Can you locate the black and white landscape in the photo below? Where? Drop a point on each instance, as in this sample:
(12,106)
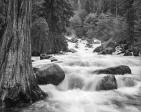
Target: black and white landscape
(70,55)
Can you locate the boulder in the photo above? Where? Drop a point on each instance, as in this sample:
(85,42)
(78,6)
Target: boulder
(136,51)
(44,56)
(129,82)
(107,83)
(75,81)
(50,74)
(108,50)
(98,49)
(72,50)
(90,41)
(110,43)
(96,42)
(89,45)
(109,46)
(117,70)
(127,53)
(74,40)
(53,59)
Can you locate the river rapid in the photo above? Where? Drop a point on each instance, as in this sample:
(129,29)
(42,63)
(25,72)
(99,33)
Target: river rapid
(77,93)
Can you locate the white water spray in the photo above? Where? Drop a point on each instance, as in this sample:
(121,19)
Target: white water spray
(78,92)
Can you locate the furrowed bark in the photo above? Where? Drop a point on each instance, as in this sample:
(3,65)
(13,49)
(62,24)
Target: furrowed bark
(17,81)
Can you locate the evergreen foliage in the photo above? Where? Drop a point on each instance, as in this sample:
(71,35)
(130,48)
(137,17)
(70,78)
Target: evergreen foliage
(119,19)
(56,15)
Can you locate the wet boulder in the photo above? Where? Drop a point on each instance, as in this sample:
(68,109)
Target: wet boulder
(107,83)
(89,45)
(50,74)
(98,49)
(127,53)
(72,50)
(136,52)
(129,82)
(75,81)
(117,70)
(74,40)
(44,56)
(107,46)
(108,50)
(110,43)
(53,59)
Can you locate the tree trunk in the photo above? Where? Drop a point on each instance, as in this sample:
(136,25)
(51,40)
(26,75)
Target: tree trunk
(17,81)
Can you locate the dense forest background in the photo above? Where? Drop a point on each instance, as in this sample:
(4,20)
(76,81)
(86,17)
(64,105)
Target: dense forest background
(105,19)
(97,19)
(89,19)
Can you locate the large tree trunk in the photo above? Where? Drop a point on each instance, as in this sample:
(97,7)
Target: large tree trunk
(17,81)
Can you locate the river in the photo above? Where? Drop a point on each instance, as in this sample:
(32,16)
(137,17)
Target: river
(77,93)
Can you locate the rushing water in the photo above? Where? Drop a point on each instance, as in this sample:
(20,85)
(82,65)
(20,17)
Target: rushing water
(77,93)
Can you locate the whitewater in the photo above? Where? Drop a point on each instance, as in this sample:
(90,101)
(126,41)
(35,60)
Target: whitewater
(78,93)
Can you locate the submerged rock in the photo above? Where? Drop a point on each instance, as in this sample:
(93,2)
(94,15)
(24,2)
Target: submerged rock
(129,82)
(44,56)
(53,59)
(72,50)
(50,74)
(75,82)
(117,70)
(107,83)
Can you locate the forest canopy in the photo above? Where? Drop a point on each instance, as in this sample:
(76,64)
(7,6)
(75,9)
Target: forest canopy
(104,19)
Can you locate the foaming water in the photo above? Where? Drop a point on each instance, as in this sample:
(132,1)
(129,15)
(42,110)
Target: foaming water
(79,90)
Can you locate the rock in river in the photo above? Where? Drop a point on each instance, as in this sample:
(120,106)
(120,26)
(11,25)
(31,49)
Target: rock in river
(117,70)
(107,83)
(50,74)
(44,56)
